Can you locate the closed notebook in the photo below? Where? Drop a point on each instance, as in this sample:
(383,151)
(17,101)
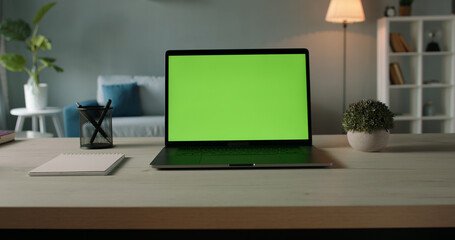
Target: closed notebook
(6,136)
(75,164)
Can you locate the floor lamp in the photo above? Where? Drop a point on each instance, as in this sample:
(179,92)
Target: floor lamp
(345,11)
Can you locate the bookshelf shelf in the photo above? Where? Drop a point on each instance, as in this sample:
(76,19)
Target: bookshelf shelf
(442,53)
(403,54)
(411,54)
(406,118)
(426,78)
(437,117)
(404,86)
(436,85)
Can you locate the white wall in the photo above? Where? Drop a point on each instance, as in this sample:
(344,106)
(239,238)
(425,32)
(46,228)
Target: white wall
(92,37)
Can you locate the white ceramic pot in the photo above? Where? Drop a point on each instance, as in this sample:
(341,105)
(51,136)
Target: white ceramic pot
(35,96)
(368,142)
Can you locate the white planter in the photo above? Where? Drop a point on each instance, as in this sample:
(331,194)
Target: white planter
(35,96)
(368,142)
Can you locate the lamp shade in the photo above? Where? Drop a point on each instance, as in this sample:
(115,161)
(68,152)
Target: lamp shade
(345,11)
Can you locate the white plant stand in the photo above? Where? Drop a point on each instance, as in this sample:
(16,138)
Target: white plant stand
(23,113)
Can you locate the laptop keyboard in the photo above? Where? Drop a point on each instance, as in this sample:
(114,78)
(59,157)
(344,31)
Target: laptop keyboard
(237,150)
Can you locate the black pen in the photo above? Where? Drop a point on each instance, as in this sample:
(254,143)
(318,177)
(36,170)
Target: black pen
(100,121)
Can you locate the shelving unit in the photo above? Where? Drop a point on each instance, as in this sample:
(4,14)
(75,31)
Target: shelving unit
(428,76)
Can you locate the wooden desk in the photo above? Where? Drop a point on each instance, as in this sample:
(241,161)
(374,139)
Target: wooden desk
(411,184)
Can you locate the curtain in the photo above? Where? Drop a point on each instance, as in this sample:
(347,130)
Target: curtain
(3,94)
(3,84)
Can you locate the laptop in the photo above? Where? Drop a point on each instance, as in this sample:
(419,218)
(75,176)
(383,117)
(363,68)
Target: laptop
(238,108)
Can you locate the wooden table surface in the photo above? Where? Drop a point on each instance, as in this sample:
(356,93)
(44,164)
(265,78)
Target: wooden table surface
(409,184)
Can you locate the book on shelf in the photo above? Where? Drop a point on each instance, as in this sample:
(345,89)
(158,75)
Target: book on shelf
(396,76)
(397,68)
(6,136)
(405,44)
(398,43)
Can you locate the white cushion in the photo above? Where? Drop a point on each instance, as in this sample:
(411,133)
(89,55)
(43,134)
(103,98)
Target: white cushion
(151,91)
(140,126)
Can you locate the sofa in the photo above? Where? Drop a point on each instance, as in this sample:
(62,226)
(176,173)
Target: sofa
(137,101)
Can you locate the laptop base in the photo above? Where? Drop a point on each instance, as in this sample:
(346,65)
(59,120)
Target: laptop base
(245,158)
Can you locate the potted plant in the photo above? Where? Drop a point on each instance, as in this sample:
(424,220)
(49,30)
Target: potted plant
(368,123)
(19,30)
(405,7)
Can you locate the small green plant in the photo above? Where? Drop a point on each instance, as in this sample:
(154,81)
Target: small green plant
(19,30)
(367,115)
(406,2)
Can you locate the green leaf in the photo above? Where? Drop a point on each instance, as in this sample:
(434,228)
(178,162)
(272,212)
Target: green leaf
(13,62)
(46,60)
(57,68)
(15,30)
(42,11)
(41,42)
(406,2)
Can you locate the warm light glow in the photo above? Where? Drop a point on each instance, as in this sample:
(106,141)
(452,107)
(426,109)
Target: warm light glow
(345,11)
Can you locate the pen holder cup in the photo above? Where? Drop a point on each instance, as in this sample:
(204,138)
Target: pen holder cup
(95,127)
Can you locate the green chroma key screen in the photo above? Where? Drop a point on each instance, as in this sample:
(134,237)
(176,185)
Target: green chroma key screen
(237,97)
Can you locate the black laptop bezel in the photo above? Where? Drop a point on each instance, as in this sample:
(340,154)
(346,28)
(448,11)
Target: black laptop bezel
(303,142)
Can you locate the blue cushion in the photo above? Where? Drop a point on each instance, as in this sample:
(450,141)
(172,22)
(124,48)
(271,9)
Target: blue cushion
(71,117)
(125,99)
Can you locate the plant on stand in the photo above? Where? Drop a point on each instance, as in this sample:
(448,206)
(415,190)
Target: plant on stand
(368,123)
(405,7)
(19,30)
